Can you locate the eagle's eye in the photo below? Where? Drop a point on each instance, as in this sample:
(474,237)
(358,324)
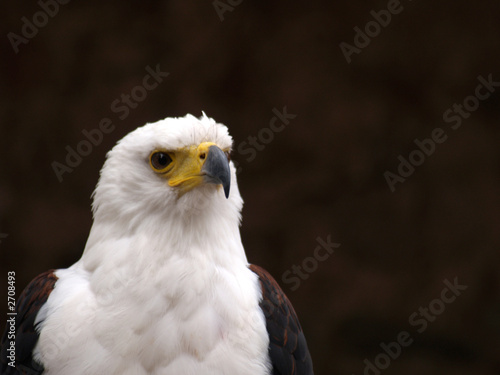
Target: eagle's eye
(160,161)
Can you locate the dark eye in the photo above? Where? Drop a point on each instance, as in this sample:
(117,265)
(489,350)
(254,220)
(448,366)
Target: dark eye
(160,160)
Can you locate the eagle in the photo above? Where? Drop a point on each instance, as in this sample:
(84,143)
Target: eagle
(163,285)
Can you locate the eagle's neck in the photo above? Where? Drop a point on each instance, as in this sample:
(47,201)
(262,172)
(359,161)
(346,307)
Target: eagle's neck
(210,232)
(182,287)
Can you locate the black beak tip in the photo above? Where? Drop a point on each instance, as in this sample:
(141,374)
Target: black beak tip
(217,169)
(226,190)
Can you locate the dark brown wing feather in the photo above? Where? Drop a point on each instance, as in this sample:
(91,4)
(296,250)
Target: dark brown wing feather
(287,345)
(28,305)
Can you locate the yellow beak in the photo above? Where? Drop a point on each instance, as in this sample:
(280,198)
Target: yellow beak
(195,166)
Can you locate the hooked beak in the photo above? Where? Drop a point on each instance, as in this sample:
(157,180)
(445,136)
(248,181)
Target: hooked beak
(198,165)
(216,169)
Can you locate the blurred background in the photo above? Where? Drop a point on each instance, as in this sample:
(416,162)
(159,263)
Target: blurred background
(324,174)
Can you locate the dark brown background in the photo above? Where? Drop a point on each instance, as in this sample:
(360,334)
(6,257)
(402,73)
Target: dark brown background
(322,175)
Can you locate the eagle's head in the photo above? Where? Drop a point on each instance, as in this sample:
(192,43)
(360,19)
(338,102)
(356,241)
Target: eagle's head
(173,170)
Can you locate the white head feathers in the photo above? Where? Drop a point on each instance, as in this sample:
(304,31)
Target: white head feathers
(128,186)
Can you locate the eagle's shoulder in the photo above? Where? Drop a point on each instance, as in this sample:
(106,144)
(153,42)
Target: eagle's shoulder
(288,350)
(28,305)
